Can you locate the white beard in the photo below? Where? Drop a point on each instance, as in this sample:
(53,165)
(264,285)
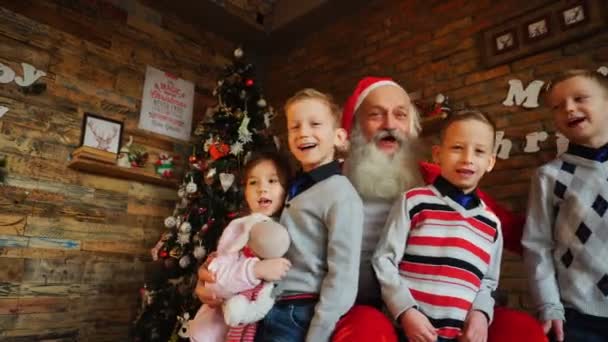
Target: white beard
(377,175)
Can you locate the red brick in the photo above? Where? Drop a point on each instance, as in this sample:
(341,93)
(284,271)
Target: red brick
(415,41)
(487,75)
(536,60)
(453,26)
(448,6)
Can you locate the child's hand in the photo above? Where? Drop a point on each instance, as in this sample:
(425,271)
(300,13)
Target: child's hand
(475,328)
(557,326)
(417,327)
(205,294)
(271,269)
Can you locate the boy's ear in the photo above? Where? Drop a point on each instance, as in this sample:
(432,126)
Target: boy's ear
(436,150)
(492,163)
(341,137)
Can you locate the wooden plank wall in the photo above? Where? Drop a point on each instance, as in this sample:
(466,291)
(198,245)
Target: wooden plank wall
(73,245)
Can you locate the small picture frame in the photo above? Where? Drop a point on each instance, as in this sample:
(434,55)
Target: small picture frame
(574,15)
(505,41)
(537,28)
(101,133)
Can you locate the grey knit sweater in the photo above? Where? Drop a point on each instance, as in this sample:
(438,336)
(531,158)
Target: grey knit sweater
(566,234)
(325,225)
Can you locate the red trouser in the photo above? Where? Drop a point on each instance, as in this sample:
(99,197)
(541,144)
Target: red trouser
(365,323)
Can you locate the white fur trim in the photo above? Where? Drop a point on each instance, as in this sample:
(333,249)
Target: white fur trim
(239,310)
(369,89)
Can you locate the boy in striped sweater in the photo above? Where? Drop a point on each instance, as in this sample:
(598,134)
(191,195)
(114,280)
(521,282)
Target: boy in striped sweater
(438,260)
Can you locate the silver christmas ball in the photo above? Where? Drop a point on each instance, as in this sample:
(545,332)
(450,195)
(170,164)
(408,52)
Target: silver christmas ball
(184,261)
(261,103)
(238,53)
(199,252)
(186,227)
(170,222)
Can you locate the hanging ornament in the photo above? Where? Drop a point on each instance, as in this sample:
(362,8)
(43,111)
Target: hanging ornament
(220,83)
(192,159)
(242,94)
(184,261)
(204,227)
(210,176)
(202,210)
(154,251)
(207,144)
(218,150)
(261,103)
(176,252)
(163,254)
(185,228)
(183,238)
(170,222)
(181,192)
(268,116)
(226,180)
(199,252)
(236,148)
(244,128)
(249,82)
(238,53)
(247,157)
(191,187)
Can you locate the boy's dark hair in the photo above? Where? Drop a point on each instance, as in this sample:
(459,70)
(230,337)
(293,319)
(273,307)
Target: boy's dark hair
(593,75)
(467,114)
(281,163)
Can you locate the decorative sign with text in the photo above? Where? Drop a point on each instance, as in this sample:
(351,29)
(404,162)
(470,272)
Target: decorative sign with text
(167,104)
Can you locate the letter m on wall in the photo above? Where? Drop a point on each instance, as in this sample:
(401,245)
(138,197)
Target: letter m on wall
(518,96)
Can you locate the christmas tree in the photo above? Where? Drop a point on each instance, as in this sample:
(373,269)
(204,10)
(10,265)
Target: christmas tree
(209,197)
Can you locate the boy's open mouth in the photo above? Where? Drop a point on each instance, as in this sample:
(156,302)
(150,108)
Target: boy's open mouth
(573,122)
(307,146)
(465,172)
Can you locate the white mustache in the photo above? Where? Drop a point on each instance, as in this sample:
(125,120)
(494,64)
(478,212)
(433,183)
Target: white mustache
(390,133)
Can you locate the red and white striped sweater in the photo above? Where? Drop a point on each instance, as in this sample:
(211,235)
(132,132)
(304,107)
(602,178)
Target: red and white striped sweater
(440,256)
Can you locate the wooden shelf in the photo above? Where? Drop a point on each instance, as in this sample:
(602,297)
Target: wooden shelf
(432,124)
(116,171)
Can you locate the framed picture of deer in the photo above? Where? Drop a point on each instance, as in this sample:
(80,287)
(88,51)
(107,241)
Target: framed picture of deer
(101,133)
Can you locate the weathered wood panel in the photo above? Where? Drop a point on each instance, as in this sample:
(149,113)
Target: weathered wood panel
(73,245)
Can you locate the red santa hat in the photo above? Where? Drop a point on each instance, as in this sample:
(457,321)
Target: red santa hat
(365,86)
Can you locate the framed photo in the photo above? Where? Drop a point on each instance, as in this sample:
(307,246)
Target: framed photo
(574,15)
(505,41)
(537,28)
(101,133)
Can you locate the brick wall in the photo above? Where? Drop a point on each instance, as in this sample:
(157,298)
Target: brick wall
(433,46)
(74,245)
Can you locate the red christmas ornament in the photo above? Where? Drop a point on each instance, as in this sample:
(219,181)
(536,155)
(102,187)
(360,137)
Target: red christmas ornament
(192,159)
(232,215)
(164,254)
(218,150)
(249,82)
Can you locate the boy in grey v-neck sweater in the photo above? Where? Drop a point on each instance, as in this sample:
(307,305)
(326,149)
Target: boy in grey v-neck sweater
(324,217)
